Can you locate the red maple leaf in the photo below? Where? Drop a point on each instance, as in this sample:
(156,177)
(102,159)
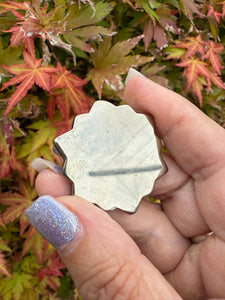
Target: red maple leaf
(32,21)
(217,15)
(193,46)
(212,51)
(37,243)
(13,6)
(18,203)
(64,126)
(51,270)
(27,74)
(68,94)
(198,74)
(8,159)
(3,267)
(194,68)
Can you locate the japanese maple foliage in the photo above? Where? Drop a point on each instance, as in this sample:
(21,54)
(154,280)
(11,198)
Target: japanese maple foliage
(201,64)
(26,75)
(56,58)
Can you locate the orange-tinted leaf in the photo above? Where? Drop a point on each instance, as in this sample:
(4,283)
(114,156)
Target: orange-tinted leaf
(12,5)
(217,15)
(16,164)
(2,223)
(3,268)
(36,243)
(16,37)
(217,80)
(64,125)
(27,191)
(51,107)
(8,159)
(4,166)
(53,267)
(195,67)
(29,45)
(68,94)
(17,203)
(13,212)
(212,54)
(24,223)
(27,74)
(21,91)
(10,198)
(193,45)
(197,88)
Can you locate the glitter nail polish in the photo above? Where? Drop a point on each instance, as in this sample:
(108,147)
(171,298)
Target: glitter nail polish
(53,221)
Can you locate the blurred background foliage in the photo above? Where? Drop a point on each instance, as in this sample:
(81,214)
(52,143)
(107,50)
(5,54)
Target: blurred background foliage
(56,58)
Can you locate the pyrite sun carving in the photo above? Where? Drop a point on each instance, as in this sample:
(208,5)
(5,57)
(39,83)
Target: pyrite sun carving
(111,156)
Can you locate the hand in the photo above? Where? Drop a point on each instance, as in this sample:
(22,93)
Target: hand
(161,250)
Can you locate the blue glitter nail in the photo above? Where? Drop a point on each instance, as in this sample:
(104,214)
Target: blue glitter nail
(53,221)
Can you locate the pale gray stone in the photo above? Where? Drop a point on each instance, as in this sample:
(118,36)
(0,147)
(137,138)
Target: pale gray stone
(111,156)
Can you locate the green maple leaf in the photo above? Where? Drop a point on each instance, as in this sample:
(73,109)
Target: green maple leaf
(13,288)
(21,282)
(9,56)
(38,143)
(112,61)
(175,53)
(81,24)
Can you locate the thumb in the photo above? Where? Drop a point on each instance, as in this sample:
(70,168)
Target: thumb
(102,259)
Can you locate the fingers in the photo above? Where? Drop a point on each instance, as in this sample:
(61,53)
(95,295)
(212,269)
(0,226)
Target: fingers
(186,131)
(155,235)
(149,227)
(211,201)
(195,141)
(182,209)
(212,264)
(201,273)
(186,278)
(52,183)
(101,258)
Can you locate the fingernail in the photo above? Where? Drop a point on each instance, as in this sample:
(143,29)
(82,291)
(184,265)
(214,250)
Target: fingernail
(40,164)
(131,74)
(58,225)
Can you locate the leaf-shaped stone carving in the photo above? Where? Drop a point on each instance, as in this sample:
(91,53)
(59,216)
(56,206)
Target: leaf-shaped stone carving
(111,156)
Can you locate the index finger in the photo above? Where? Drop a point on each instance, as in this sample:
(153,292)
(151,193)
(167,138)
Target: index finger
(195,141)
